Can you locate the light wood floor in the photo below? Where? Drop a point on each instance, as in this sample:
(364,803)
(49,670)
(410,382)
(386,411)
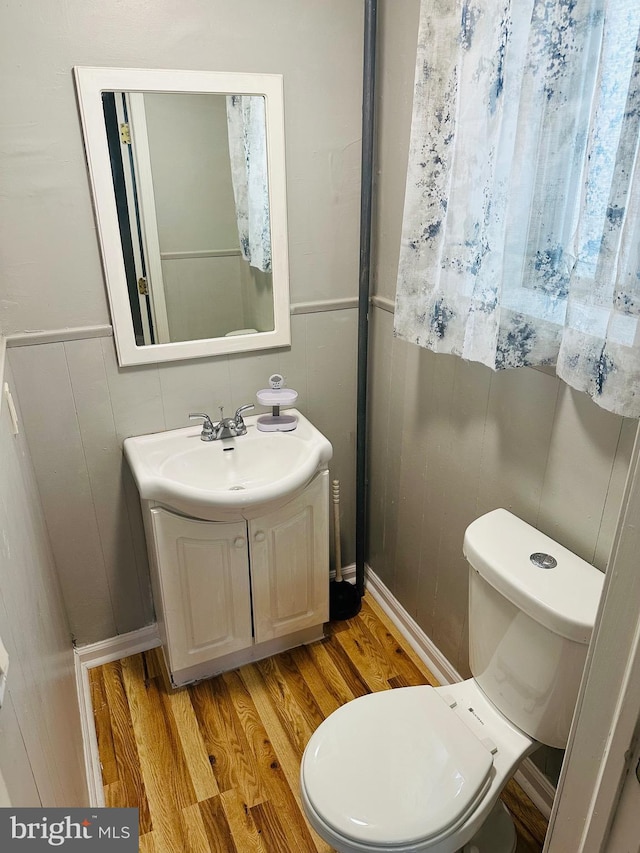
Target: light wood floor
(214,767)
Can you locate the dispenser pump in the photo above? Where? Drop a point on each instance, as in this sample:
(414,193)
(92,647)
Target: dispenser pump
(276,395)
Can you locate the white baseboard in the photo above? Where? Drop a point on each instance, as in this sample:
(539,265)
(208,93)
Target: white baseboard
(532,780)
(87,657)
(348,572)
(92,766)
(535,784)
(121,646)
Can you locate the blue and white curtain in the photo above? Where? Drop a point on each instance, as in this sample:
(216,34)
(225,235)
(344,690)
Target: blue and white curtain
(247,128)
(521,231)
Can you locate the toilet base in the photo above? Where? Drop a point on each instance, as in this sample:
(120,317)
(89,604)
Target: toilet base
(496,835)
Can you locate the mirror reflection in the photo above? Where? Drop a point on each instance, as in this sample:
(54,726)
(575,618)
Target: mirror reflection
(190,178)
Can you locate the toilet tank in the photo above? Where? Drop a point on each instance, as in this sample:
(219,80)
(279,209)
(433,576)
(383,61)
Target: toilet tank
(532,607)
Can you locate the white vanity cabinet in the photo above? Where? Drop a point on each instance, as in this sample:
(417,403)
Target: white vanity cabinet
(230,592)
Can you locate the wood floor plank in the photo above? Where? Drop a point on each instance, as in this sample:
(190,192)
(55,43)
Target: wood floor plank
(195,752)
(399,681)
(355,682)
(125,743)
(115,795)
(270,827)
(525,813)
(195,831)
(234,766)
(404,664)
(278,736)
(335,681)
(160,761)
(277,785)
(285,750)
(217,827)
(152,704)
(366,656)
(369,604)
(104,731)
(321,690)
(147,844)
(249,718)
(153,662)
(291,698)
(243,828)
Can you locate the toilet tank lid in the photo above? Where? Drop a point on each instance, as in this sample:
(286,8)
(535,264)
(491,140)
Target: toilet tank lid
(564,599)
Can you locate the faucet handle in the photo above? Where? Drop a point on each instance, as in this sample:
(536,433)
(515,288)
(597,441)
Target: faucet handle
(207,426)
(205,417)
(239,424)
(238,415)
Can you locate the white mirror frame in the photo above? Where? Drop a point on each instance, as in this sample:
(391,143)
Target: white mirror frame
(90,84)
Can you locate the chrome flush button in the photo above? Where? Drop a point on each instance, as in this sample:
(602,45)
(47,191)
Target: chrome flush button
(543,561)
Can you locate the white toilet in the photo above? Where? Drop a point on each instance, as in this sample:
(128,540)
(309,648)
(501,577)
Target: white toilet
(421,768)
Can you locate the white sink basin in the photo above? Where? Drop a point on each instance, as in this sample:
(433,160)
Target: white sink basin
(231,478)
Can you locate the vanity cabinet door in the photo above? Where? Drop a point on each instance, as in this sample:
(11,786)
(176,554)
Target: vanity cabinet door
(204,581)
(290,563)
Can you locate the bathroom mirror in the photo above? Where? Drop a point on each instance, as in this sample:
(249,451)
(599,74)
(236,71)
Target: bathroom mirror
(188,179)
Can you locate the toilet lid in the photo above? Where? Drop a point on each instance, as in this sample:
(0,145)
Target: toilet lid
(394,767)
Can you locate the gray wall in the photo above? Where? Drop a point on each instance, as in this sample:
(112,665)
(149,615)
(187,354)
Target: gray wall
(78,404)
(40,744)
(450,440)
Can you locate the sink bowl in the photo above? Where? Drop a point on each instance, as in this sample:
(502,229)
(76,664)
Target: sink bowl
(231,478)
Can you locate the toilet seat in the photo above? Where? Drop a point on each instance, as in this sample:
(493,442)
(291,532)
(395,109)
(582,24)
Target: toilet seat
(363,771)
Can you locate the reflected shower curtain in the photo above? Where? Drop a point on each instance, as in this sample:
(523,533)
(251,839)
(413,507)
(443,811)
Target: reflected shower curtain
(246,122)
(521,230)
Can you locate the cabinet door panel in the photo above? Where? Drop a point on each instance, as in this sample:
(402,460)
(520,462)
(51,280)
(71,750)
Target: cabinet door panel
(204,579)
(290,563)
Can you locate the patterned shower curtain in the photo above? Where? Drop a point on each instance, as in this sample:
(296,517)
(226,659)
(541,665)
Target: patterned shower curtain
(521,230)
(247,130)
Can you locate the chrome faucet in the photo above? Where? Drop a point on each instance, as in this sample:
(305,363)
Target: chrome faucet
(225,427)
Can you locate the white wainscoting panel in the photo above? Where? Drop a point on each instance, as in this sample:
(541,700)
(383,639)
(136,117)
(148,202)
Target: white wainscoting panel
(40,742)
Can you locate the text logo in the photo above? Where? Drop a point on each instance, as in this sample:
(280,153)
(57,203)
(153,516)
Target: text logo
(30,830)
